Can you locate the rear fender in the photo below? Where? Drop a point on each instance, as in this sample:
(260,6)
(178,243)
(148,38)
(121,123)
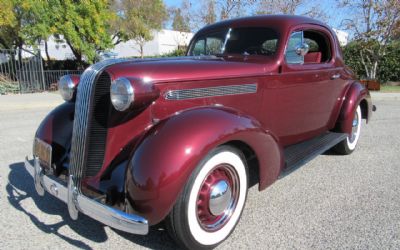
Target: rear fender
(356,95)
(163,161)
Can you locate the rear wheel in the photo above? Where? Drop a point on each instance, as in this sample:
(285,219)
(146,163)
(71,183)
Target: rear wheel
(348,145)
(212,201)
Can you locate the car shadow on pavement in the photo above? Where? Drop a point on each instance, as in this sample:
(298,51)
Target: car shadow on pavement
(20,187)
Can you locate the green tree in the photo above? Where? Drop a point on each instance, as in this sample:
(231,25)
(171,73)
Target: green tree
(83,24)
(210,17)
(14,17)
(352,58)
(373,24)
(179,23)
(389,67)
(291,7)
(137,19)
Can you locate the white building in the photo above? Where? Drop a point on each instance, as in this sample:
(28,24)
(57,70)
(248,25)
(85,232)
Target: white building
(164,41)
(343,37)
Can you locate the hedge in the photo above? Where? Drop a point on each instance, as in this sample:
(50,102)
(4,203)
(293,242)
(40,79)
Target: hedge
(388,68)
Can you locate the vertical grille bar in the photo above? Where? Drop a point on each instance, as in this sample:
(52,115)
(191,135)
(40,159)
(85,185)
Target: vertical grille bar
(82,108)
(98,125)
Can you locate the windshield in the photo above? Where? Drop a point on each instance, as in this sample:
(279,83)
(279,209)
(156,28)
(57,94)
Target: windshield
(244,41)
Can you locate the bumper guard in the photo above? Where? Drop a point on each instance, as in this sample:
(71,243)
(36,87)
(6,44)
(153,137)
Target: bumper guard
(107,215)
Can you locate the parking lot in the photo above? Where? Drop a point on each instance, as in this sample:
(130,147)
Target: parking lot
(332,202)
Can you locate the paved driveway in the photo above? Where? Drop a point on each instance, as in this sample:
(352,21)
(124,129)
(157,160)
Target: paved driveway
(332,202)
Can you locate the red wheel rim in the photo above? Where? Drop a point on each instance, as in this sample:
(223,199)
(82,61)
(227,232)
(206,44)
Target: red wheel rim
(210,216)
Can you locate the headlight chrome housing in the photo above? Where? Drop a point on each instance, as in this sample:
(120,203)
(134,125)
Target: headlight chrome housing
(122,94)
(67,87)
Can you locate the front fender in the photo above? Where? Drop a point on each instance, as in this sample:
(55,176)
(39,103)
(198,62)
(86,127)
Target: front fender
(56,129)
(165,158)
(357,94)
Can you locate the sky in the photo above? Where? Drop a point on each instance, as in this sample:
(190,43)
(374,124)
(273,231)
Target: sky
(335,15)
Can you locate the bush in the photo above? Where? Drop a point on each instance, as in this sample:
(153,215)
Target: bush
(175,53)
(7,85)
(388,68)
(68,64)
(390,64)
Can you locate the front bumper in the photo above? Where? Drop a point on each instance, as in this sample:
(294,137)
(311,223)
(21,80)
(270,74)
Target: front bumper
(109,216)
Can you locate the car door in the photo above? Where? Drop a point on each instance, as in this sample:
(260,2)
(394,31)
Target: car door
(307,90)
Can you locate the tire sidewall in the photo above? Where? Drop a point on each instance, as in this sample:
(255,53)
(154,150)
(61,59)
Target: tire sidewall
(195,237)
(351,146)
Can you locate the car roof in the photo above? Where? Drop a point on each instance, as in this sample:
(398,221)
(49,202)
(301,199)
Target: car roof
(279,22)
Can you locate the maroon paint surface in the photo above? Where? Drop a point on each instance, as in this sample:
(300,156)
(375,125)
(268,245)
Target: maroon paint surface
(292,103)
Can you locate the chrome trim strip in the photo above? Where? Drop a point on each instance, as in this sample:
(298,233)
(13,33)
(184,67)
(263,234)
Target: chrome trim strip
(185,94)
(112,217)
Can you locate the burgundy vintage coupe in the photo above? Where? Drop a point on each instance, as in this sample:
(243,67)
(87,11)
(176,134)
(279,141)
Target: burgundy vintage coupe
(180,140)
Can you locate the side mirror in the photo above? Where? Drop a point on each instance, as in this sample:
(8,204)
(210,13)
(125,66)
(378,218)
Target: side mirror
(302,49)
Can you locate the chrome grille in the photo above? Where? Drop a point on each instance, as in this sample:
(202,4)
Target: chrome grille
(211,91)
(82,114)
(98,125)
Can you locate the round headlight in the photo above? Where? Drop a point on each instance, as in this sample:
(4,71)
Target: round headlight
(122,94)
(66,87)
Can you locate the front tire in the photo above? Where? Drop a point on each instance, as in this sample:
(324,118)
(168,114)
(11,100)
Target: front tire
(348,145)
(212,201)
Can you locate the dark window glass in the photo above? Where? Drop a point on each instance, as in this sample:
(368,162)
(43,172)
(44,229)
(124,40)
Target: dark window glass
(244,41)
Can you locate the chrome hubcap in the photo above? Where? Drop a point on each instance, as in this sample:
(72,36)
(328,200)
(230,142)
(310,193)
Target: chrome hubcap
(220,197)
(217,198)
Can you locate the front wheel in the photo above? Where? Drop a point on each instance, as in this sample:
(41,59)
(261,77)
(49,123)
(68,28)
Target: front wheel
(348,145)
(212,201)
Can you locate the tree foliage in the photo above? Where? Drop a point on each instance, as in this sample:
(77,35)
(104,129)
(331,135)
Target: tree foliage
(137,19)
(291,7)
(389,67)
(83,24)
(373,24)
(209,16)
(14,16)
(179,22)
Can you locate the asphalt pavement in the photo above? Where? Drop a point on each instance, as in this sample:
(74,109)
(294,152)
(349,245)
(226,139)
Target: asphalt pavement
(346,202)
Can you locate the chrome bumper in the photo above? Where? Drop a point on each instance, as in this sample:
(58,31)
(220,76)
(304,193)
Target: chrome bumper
(109,216)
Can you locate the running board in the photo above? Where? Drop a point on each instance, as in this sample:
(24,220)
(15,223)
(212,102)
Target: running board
(299,154)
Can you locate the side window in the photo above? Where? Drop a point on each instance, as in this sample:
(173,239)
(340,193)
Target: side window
(320,48)
(214,45)
(208,46)
(270,46)
(199,48)
(294,41)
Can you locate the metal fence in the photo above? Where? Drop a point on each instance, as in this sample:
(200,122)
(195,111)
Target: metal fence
(22,73)
(25,73)
(52,76)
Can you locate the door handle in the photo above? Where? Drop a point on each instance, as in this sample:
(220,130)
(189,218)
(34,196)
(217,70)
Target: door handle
(335,76)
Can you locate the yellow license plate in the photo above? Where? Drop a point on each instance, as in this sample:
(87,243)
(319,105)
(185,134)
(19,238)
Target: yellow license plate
(43,152)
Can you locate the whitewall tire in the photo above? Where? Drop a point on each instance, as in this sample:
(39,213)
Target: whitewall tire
(348,145)
(212,201)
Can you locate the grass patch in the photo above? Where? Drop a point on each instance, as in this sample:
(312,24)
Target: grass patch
(390,89)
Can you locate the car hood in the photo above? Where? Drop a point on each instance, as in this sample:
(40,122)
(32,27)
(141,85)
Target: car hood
(192,68)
